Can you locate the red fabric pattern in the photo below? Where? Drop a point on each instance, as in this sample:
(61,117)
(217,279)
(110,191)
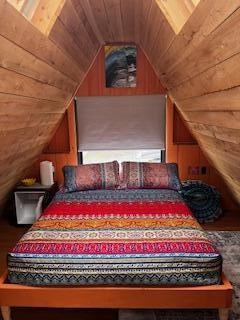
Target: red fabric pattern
(150,175)
(100,208)
(116,248)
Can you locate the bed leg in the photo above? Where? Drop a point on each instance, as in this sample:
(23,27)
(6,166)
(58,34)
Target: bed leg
(6,313)
(223,314)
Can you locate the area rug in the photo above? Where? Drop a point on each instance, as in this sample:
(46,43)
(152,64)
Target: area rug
(228,243)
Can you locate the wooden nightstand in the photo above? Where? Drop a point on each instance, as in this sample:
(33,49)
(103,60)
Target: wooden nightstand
(31,201)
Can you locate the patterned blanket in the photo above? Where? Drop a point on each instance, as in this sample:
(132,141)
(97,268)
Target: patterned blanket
(115,237)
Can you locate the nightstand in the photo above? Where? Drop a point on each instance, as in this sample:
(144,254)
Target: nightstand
(31,201)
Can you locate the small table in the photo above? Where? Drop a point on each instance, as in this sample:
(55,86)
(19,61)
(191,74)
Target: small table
(30,201)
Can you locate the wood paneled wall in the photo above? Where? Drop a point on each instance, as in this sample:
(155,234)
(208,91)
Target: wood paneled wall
(191,156)
(148,83)
(59,159)
(38,77)
(200,67)
(94,85)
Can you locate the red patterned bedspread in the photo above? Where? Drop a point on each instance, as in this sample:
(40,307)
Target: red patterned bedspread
(115,237)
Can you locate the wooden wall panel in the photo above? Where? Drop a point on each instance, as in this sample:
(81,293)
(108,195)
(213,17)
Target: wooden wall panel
(38,79)
(60,143)
(94,83)
(59,159)
(192,156)
(148,83)
(200,69)
(14,27)
(181,134)
(204,20)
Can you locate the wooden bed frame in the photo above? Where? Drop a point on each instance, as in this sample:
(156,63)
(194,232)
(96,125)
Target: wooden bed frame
(201,297)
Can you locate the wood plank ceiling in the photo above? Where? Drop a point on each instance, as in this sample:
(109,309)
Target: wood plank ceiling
(199,65)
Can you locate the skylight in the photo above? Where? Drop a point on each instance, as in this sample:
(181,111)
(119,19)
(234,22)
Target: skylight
(177,12)
(41,13)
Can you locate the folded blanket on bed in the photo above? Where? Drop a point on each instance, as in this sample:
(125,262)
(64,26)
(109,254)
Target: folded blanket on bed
(115,237)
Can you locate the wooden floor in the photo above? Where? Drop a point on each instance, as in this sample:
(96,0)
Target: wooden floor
(10,234)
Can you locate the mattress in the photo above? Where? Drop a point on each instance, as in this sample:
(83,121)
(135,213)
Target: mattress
(115,237)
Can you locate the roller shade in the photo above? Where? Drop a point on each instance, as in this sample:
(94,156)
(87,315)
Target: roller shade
(121,122)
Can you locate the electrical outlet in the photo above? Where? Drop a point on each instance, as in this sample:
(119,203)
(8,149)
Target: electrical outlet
(193,171)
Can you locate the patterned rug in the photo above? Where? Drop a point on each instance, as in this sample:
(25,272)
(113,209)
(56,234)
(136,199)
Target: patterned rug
(228,243)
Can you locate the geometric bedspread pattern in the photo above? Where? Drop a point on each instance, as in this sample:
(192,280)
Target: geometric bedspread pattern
(115,237)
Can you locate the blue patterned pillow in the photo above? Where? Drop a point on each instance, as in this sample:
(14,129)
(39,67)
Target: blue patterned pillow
(91,176)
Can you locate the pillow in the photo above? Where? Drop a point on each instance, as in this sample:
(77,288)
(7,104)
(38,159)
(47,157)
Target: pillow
(91,176)
(144,175)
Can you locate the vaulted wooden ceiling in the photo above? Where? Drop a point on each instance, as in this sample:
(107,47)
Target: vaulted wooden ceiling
(197,59)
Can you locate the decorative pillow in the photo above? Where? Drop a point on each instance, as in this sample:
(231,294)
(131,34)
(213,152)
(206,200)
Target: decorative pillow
(203,200)
(91,176)
(143,175)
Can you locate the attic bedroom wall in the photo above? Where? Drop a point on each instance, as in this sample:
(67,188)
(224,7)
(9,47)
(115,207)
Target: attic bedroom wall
(148,83)
(200,67)
(38,77)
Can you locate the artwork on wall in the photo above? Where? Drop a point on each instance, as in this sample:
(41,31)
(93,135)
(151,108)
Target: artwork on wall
(120,66)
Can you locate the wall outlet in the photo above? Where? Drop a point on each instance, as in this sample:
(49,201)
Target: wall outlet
(193,171)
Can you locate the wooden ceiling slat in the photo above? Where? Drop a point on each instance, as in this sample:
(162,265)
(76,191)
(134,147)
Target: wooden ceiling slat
(32,40)
(76,29)
(154,26)
(84,20)
(220,133)
(128,17)
(150,20)
(216,101)
(16,59)
(137,20)
(13,104)
(223,76)
(99,13)
(225,42)
(197,28)
(11,122)
(13,83)
(226,119)
(115,19)
(63,39)
(146,5)
(226,151)
(86,6)
(46,14)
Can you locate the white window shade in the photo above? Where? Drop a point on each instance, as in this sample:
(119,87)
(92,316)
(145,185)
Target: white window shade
(121,122)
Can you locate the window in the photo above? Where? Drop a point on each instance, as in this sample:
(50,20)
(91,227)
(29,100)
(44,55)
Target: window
(177,12)
(41,13)
(149,155)
(123,128)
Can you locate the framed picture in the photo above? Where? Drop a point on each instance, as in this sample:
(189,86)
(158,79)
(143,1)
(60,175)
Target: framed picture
(120,66)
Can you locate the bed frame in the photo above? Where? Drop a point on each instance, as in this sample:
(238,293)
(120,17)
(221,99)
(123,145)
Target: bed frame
(134,297)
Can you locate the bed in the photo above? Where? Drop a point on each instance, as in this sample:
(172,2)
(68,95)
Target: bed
(115,249)
(115,237)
